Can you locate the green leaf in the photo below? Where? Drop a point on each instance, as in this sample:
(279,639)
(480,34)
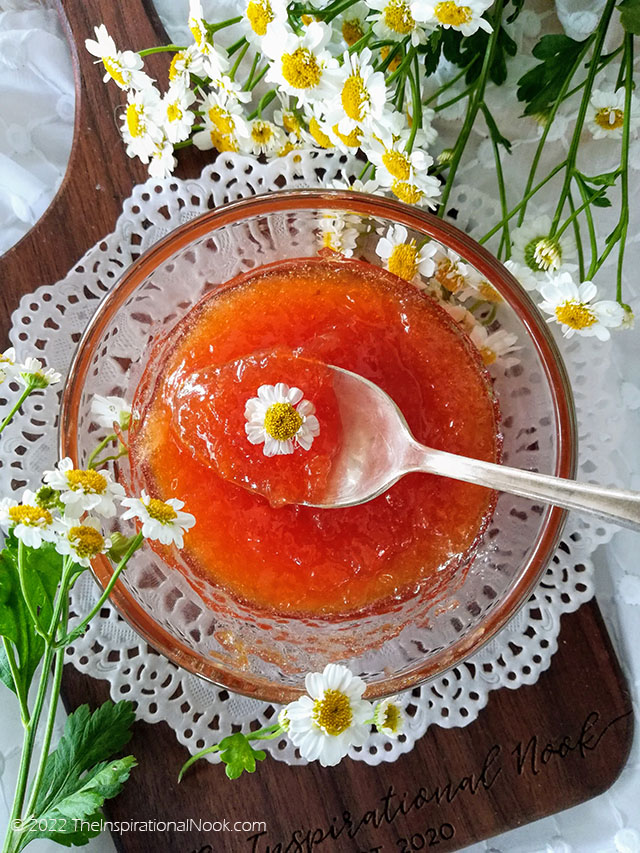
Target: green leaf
(432,51)
(471,51)
(607,179)
(630,16)
(497,137)
(518,6)
(5,672)
(540,86)
(238,754)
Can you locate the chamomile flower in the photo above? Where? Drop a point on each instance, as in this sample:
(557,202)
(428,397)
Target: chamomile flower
(229,90)
(8,365)
(141,124)
(258,15)
(573,307)
(110,410)
(184,63)
(451,273)
(388,717)
(362,92)
(392,162)
(338,234)
(265,137)
(465,319)
(465,16)
(534,248)
(224,124)
(162,161)
(332,718)
(177,117)
(287,118)
(496,346)
(81,540)
(215,63)
(124,67)
(84,491)
(403,257)
(357,186)
(280,418)
(319,133)
(396,19)
(283,720)
(526,276)
(350,26)
(30,522)
(162,521)
(33,374)
(605,115)
(300,64)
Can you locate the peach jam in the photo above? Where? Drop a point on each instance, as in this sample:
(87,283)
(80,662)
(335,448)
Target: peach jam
(285,323)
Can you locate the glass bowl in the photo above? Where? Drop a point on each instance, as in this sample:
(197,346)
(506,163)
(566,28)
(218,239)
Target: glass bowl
(264,655)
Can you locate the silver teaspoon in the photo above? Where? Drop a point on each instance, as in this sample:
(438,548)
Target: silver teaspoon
(378,448)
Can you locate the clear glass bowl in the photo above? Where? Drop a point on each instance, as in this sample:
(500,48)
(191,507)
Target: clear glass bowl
(266,656)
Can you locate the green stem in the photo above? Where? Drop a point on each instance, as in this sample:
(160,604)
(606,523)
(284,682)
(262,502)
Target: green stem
(439,107)
(254,65)
(185,144)
(239,59)
(578,236)
(149,51)
(593,242)
(362,41)
(236,45)
(578,211)
(407,60)
(390,57)
(601,33)
(259,77)
(265,100)
(624,160)
(213,28)
(416,104)
(15,674)
(98,449)
(368,165)
(447,85)
(506,237)
(78,629)
(333,12)
(267,733)
(21,400)
(472,108)
(122,452)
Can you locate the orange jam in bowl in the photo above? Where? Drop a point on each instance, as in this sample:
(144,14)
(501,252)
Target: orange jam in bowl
(284,323)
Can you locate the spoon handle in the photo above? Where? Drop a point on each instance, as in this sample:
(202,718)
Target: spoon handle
(618,505)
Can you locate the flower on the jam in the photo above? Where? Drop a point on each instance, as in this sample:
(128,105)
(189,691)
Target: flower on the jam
(281,418)
(451,272)
(403,257)
(124,67)
(535,249)
(572,306)
(84,491)
(388,717)
(33,375)
(30,522)
(161,520)
(338,234)
(605,115)
(110,410)
(81,540)
(332,718)
(495,347)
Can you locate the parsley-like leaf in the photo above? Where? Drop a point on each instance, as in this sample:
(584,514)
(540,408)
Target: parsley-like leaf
(630,16)
(541,85)
(238,754)
(470,51)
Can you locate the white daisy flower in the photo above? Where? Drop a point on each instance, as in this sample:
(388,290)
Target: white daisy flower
(229,90)
(215,62)
(162,161)
(533,247)
(30,522)
(81,540)
(84,491)
(141,124)
(465,319)
(397,19)
(403,257)
(351,26)
(495,346)
(526,276)
(451,273)
(479,289)
(572,306)
(124,67)
(184,63)
(605,115)
(338,234)
(177,117)
(392,162)
(281,418)
(162,521)
(301,65)
(466,17)
(110,410)
(388,717)
(259,15)
(362,92)
(225,127)
(265,137)
(283,720)
(332,718)
(32,373)
(8,365)
(357,186)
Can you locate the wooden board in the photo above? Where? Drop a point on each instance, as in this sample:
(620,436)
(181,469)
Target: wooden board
(532,752)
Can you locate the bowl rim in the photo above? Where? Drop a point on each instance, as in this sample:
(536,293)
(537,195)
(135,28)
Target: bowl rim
(552,364)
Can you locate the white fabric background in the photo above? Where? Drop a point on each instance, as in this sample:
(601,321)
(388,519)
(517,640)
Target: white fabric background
(36,116)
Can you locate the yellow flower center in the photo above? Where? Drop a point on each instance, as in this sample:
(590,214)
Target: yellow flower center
(355,97)
(174,113)
(282,421)
(398,17)
(397,164)
(260,15)
(449,276)
(450,13)
(488,355)
(385,50)
(31,516)
(174,70)
(134,125)
(307,19)
(392,718)
(318,134)
(609,118)
(488,292)
(196,31)
(543,253)
(160,511)
(261,132)
(576,315)
(351,139)
(290,123)
(352,31)
(409,193)
(287,148)
(86,541)
(333,712)
(223,141)
(221,119)
(113,67)
(301,69)
(90,482)
(403,260)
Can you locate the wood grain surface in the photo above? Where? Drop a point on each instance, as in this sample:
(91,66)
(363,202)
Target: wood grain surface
(531,752)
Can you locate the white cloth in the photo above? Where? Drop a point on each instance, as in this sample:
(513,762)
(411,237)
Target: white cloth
(36,117)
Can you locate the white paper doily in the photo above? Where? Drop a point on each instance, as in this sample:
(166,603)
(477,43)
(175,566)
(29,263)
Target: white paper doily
(49,323)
